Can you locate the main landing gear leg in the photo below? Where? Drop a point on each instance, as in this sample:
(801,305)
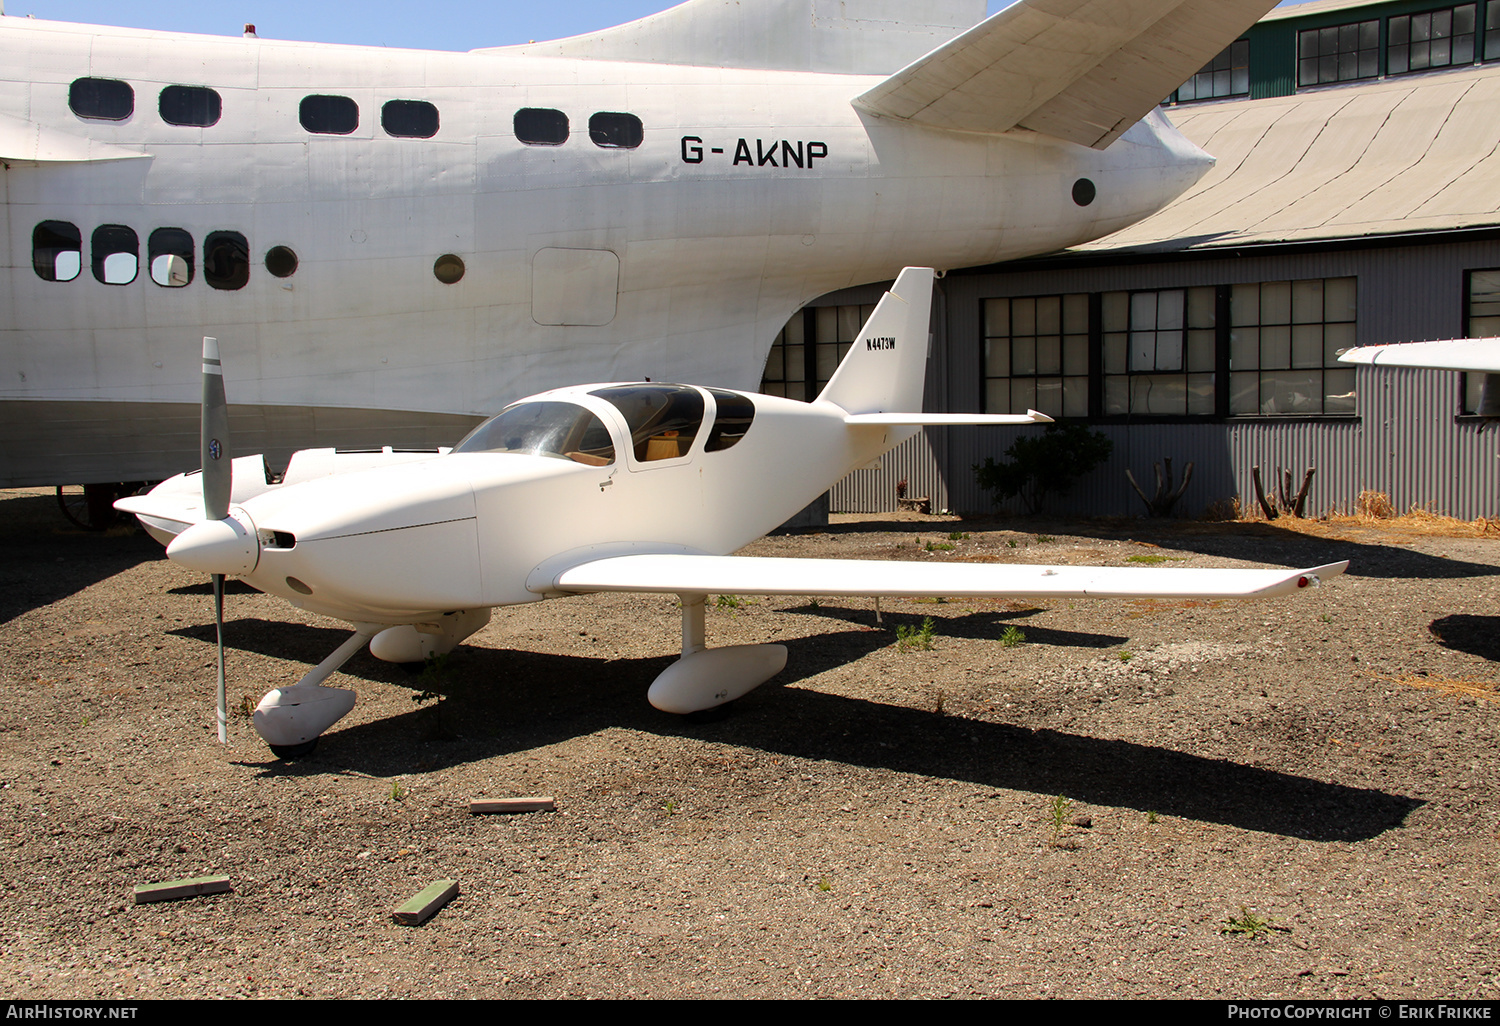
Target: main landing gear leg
(705,678)
(291,719)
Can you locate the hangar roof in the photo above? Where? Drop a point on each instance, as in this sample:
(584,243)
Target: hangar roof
(1401,155)
(1313,7)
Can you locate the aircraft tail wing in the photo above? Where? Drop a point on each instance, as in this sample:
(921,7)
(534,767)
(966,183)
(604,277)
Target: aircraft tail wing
(683,573)
(1080,70)
(945,419)
(1478,355)
(886,368)
(849,37)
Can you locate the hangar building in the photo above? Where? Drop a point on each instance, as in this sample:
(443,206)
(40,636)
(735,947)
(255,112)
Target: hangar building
(1354,202)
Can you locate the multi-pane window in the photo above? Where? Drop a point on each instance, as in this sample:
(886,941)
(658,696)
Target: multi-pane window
(1482,320)
(1492,32)
(786,366)
(1036,355)
(1159,352)
(1284,341)
(1432,39)
(808,350)
(1339,53)
(1228,74)
(834,330)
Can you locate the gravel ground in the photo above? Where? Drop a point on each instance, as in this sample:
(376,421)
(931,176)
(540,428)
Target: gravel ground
(1080,814)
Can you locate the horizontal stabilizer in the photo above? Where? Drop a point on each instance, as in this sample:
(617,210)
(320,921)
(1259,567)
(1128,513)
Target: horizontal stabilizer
(1480,355)
(843,37)
(1080,70)
(746,575)
(940,419)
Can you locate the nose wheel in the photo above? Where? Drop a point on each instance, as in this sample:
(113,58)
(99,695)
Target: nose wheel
(291,719)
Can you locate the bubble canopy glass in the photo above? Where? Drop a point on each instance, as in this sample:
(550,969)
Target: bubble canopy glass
(563,431)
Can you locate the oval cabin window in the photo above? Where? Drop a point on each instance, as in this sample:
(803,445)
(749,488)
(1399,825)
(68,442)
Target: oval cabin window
(102,99)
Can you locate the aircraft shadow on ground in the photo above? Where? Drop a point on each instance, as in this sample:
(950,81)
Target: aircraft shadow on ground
(232,586)
(43,559)
(1463,632)
(504,701)
(1247,541)
(981,626)
(1251,541)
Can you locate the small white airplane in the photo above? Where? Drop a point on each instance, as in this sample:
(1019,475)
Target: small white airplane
(639,486)
(402,241)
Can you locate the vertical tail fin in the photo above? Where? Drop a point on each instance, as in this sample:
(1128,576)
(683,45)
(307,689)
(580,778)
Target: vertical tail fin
(886,369)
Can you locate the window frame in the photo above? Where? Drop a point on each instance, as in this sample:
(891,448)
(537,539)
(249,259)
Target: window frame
(534,117)
(99,251)
(73,235)
(80,85)
(1318,36)
(601,133)
(308,107)
(1470,384)
(218,105)
(409,105)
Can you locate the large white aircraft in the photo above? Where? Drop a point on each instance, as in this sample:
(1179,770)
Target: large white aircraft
(637,486)
(399,242)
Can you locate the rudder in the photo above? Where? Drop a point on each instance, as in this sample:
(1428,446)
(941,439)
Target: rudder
(886,369)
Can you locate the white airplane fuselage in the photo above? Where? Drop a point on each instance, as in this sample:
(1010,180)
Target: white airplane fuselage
(463,531)
(749,194)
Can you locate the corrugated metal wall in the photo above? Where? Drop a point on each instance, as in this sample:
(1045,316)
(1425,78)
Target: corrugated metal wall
(1406,440)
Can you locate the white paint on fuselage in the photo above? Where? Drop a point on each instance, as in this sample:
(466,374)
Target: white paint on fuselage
(405,543)
(714,255)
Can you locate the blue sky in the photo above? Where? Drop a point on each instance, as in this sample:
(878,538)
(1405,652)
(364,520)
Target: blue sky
(424,24)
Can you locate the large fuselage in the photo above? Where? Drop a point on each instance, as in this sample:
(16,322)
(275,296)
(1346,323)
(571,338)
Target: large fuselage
(749,193)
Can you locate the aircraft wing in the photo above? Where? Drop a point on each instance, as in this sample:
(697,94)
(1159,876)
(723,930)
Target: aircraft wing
(1080,70)
(1481,355)
(758,575)
(27,142)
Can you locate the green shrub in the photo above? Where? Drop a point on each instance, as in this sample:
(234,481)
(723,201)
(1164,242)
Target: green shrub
(1043,465)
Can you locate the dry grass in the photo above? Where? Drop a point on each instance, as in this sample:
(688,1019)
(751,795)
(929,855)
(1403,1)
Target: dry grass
(1374,506)
(1374,509)
(1456,687)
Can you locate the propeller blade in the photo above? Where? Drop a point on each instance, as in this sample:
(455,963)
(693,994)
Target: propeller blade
(218,479)
(219,636)
(217,473)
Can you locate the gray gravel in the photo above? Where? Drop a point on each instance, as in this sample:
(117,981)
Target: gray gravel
(871,823)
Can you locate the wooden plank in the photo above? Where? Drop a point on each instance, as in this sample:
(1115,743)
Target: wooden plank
(481,806)
(171,890)
(422,906)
